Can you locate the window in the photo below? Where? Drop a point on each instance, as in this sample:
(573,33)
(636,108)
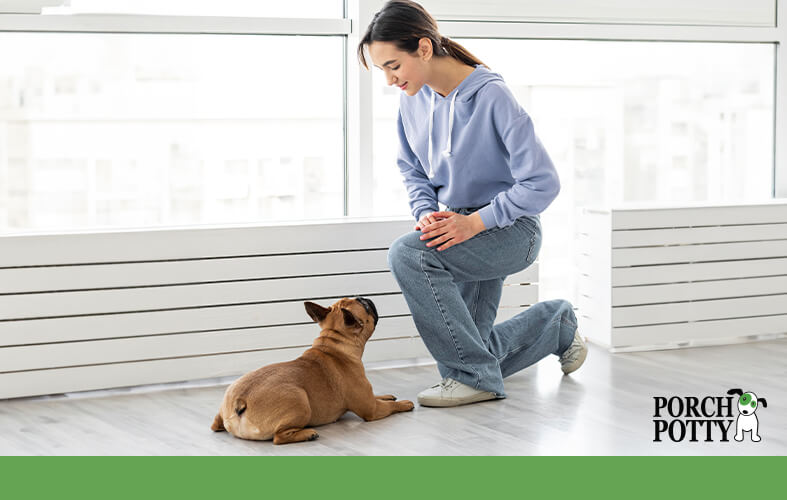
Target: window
(110,130)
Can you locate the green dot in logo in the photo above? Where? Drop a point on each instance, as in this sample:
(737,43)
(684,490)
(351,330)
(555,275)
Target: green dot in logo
(754,404)
(745,399)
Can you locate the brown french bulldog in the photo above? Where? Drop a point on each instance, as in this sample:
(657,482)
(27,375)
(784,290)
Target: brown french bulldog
(281,401)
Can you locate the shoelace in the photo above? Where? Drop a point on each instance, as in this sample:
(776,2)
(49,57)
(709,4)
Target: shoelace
(447,384)
(573,352)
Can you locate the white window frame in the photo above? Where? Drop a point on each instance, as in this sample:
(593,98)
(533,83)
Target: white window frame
(574,24)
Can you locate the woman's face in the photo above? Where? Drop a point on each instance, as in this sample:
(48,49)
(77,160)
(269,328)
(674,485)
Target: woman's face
(406,71)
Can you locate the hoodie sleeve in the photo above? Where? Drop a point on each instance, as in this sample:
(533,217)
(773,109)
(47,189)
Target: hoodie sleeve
(420,191)
(536,183)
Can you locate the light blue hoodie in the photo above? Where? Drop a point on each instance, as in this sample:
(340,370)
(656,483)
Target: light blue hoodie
(473,147)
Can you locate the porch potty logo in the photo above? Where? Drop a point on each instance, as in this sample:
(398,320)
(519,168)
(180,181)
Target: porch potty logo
(707,419)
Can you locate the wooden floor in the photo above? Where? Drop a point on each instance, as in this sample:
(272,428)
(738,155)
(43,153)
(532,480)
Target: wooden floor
(604,408)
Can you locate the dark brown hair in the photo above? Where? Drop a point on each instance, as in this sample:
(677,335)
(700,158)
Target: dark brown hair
(405,23)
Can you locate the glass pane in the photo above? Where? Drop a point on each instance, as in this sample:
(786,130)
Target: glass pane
(329,9)
(623,122)
(155,130)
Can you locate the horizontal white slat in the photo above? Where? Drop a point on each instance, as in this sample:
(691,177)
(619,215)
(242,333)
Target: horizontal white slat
(85,277)
(179,345)
(59,380)
(698,330)
(647,275)
(526,276)
(201,319)
(771,212)
(679,292)
(693,235)
(199,243)
(697,311)
(698,253)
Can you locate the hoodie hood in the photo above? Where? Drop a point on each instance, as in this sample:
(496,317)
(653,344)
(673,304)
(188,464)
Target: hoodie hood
(468,87)
(464,92)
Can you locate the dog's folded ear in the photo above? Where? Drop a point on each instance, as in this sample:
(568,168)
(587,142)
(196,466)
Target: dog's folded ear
(762,402)
(350,320)
(735,391)
(316,311)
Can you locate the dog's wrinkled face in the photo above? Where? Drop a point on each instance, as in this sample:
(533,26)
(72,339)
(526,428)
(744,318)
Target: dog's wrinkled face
(357,316)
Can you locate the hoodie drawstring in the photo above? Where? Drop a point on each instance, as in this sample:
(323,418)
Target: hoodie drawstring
(447,151)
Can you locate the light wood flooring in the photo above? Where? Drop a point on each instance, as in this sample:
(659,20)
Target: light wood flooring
(605,408)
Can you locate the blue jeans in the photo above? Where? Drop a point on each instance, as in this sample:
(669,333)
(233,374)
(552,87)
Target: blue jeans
(454,294)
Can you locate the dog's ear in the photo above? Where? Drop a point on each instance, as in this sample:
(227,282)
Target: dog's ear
(316,311)
(763,402)
(350,320)
(735,391)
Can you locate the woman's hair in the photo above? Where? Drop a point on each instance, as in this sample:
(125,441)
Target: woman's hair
(405,23)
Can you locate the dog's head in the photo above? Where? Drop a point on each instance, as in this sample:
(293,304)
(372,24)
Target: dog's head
(748,401)
(356,317)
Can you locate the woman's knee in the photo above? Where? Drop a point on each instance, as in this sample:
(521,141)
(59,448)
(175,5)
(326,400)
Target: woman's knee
(402,249)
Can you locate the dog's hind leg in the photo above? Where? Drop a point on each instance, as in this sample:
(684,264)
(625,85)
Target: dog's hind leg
(294,435)
(291,425)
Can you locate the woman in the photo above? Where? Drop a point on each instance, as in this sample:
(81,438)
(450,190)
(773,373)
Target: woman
(467,143)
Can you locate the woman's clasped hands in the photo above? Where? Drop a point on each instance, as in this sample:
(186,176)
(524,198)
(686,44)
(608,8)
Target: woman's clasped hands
(448,228)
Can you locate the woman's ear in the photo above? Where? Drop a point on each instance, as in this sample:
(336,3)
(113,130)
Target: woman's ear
(425,49)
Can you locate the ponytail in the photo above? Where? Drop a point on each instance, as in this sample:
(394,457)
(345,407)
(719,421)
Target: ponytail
(458,52)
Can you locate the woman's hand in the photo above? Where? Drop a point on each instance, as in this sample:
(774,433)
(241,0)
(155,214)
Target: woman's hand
(427,219)
(450,228)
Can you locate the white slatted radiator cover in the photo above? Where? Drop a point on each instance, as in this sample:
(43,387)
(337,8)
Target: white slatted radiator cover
(86,311)
(692,275)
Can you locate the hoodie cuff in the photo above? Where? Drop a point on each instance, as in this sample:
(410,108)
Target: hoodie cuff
(424,211)
(488,216)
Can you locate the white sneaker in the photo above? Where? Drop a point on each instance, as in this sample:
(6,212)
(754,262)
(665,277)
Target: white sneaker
(575,355)
(451,392)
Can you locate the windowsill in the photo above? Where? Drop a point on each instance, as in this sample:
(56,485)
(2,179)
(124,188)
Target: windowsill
(303,223)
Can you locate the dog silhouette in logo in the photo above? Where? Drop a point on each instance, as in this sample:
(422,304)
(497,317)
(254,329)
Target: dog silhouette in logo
(748,402)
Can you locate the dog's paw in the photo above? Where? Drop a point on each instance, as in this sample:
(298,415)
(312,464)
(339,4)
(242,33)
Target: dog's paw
(406,405)
(386,397)
(313,436)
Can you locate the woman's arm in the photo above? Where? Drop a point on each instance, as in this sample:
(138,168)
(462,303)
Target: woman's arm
(420,191)
(536,183)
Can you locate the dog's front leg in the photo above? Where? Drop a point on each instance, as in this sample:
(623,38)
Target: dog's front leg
(376,409)
(370,407)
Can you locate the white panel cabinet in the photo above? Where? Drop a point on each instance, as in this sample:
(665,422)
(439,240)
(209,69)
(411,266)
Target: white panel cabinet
(660,276)
(86,311)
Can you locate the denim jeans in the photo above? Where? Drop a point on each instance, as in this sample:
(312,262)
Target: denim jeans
(454,294)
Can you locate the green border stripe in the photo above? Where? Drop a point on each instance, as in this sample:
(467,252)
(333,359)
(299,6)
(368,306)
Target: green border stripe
(388,477)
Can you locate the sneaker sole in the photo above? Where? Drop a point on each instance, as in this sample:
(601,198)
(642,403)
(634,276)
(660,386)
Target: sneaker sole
(576,364)
(444,403)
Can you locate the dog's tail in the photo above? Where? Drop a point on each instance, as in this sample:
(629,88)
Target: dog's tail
(218,423)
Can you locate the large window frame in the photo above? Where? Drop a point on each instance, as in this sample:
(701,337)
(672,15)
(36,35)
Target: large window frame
(508,19)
